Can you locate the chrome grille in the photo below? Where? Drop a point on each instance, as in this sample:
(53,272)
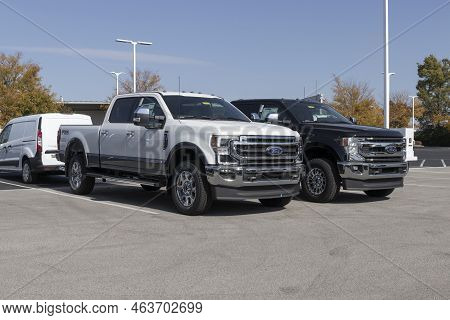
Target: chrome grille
(253,150)
(382,149)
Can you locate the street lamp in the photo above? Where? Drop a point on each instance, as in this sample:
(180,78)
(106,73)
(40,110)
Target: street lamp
(117,74)
(413,120)
(134,43)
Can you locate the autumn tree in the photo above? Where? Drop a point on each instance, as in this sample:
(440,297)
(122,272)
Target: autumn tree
(433,89)
(400,113)
(21,89)
(356,100)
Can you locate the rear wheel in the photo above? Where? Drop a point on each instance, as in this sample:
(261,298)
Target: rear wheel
(190,191)
(79,182)
(28,176)
(276,202)
(149,188)
(320,183)
(379,193)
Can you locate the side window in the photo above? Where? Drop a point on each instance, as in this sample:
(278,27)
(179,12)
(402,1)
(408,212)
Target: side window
(123,109)
(153,106)
(30,131)
(16,131)
(248,109)
(4,137)
(267,109)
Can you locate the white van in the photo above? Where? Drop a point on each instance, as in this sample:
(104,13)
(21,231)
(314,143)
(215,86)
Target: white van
(29,144)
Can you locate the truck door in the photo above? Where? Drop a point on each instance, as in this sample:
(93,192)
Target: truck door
(146,146)
(114,134)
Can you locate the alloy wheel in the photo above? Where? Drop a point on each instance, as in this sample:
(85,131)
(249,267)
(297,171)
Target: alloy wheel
(186,188)
(316,181)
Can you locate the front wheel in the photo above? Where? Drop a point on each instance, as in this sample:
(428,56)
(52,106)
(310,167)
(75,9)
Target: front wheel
(320,183)
(379,193)
(190,191)
(276,202)
(79,183)
(28,176)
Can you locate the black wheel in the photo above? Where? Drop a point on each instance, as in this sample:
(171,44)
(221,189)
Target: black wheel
(79,182)
(276,202)
(190,191)
(379,193)
(149,188)
(28,176)
(321,182)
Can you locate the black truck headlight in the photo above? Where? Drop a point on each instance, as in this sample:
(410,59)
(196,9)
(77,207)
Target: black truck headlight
(351,146)
(222,147)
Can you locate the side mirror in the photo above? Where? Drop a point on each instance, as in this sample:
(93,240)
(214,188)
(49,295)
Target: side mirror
(255,117)
(272,118)
(353,120)
(143,118)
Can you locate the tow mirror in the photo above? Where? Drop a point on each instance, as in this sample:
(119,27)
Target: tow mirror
(353,120)
(255,117)
(143,118)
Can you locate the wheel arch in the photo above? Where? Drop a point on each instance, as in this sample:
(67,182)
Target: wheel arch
(75,146)
(185,150)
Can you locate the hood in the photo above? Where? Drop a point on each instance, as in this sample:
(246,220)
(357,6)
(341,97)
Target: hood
(237,128)
(351,130)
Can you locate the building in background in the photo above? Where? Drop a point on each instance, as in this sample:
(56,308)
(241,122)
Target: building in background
(95,109)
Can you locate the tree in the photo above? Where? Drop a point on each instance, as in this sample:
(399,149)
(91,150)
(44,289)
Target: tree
(146,81)
(399,111)
(21,90)
(433,89)
(357,100)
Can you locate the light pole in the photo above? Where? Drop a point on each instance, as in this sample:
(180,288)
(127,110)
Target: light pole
(117,74)
(413,119)
(386,64)
(134,43)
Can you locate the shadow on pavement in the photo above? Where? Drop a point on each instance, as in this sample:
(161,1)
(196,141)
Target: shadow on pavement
(349,197)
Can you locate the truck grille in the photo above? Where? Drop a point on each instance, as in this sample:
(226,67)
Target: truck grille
(382,149)
(266,151)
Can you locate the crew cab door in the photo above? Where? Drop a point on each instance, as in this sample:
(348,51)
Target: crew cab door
(114,134)
(146,146)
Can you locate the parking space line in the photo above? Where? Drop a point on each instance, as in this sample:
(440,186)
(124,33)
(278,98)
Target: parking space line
(20,189)
(85,199)
(421,164)
(424,185)
(443,163)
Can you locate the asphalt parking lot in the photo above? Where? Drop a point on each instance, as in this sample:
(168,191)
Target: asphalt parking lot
(431,157)
(115,244)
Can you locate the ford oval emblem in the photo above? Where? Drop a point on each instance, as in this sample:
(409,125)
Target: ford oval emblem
(274,151)
(391,149)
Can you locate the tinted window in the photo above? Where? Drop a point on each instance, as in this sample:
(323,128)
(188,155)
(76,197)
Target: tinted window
(152,105)
(123,109)
(315,112)
(5,135)
(248,109)
(183,107)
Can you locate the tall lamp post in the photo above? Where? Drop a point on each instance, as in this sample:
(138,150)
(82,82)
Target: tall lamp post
(117,74)
(134,43)
(413,119)
(386,64)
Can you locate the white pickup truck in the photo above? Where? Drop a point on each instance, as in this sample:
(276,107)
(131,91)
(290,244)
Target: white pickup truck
(200,147)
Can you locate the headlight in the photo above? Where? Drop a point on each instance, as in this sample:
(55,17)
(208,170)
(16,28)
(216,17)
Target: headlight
(351,147)
(222,147)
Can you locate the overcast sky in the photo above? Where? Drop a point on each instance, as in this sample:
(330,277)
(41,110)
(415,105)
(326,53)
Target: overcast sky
(235,49)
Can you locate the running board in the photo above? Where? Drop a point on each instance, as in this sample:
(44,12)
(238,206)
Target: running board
(127,180)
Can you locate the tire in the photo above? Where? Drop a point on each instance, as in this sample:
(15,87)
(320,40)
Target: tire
(190,190)
(276,202)
(320,183)
(28,176)
(379,193)
(149,188)
(79,183)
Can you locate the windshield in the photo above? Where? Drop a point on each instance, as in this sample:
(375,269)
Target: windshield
(183,107)
(315,112)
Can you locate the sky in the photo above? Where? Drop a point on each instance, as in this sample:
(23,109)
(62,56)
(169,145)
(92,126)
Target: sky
(234,49)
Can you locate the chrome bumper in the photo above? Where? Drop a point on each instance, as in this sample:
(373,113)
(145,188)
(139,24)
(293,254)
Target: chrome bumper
(239,176)
(367,171)
(372,176)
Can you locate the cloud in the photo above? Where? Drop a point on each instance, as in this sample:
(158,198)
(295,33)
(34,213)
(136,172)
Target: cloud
(116,55)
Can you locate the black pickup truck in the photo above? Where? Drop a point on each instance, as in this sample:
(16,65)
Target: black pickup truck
(338,152)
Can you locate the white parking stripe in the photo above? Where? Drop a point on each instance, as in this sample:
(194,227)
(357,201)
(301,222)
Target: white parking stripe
(443,163)
(424,185)
(421,164)
(20,189)
(85,199)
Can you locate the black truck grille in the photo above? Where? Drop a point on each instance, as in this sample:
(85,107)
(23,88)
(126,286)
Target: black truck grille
(266,151)
(382,149)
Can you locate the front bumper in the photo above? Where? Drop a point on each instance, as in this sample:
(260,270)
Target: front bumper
(238,182)
(372,176)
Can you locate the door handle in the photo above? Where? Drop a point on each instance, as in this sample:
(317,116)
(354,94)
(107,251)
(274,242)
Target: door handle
(130,133)
(104,132)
